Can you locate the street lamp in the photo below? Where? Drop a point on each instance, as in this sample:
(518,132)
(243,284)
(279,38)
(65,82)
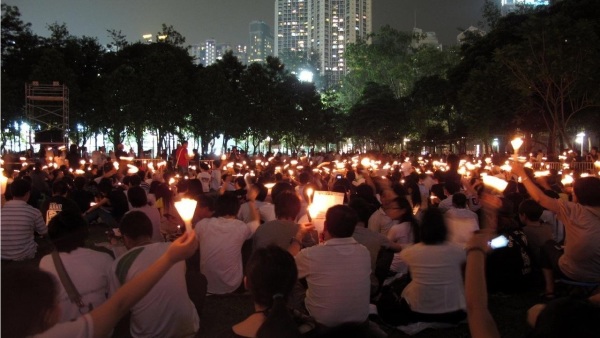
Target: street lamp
(306,76)
(579,139)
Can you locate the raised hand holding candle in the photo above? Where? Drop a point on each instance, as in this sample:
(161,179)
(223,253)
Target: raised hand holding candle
(186,207)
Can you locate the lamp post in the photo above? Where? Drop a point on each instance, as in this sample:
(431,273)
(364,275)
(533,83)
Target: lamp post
(579,139)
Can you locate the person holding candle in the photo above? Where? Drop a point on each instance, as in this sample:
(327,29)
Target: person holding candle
(31,296)
(166,310)
(580,258)
(337,272)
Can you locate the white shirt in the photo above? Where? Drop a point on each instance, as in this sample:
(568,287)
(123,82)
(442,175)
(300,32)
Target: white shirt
(205,179)
(265,210)
(380,222)
(461,224)
(338,277)
(165,311)
(89,270)
(221,241)
(401,234)
(437,285)
(83,327)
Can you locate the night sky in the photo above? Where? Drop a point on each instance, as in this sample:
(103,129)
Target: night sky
(227,20)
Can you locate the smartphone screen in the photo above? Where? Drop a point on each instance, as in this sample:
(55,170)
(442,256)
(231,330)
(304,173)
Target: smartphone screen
(498,242)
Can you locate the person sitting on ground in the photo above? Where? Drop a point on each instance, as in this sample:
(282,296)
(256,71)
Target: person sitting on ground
(537,232)
(403,234)
(265,209)
(80,195)
(435,293)
(111,205)
(165,311)
(270,276)
(580,259)
(31,295)
(221,239)
(88,269)
(461,221)
(58,202)
(333,271)
(139,202)
(19,222)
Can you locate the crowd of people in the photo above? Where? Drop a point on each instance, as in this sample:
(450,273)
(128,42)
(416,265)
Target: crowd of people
(409,244)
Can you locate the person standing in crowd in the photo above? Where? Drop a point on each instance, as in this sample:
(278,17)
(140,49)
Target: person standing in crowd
(182,158)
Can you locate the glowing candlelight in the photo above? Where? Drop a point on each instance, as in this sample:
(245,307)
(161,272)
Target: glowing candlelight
(3,182)
(127,158)
(116,165)
(132,169)
(186,208)
(494,182)
(309,193)
(516,144)
(567,180)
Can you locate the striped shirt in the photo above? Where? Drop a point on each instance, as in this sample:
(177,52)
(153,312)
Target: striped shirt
(19,221)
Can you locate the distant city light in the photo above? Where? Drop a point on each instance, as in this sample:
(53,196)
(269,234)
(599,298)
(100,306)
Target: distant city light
(306,76)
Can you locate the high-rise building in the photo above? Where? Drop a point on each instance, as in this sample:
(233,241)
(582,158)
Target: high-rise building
(211,52)
(261,42)
(420,38)
(333,24)
(291,26)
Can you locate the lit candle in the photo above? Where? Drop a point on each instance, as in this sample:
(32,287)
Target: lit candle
(186,208)
(3,182)
(494,182)
(516,144)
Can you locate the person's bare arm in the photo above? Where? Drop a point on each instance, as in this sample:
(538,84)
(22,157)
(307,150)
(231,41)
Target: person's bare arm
(481,323)
(106,316)
(536,193)
(296,242)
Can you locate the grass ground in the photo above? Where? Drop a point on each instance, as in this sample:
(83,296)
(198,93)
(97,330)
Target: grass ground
(221,312)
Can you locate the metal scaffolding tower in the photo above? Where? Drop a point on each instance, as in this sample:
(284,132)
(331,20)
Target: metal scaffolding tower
(47,108)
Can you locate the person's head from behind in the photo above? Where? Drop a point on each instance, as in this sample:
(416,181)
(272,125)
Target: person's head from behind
(287,205)
(137,197)
(270,273)
(564,317)
(227,205)
(60,188)
(363,209)
(303,178)
(270,276)
(79,182)
(31,295)
(587,191)
(68,231)
(261,191)
(340,221)
(530,210)
(105,187)
(20,189)
(459,200)
(451,187)
(205,208)
(136,228)
(280,187)
(433,227)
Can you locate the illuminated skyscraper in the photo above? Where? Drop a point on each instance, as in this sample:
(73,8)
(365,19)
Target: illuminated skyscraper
(508,6)
(291,26)
(211,52)
(261,42)
(333,24)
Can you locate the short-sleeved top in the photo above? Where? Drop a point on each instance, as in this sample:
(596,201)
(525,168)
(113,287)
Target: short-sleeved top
(166,310)
(19,222)
(437,285)
(338,277)
(581,259)
(221,241)
(55,204)
(380,222)
(89,270)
